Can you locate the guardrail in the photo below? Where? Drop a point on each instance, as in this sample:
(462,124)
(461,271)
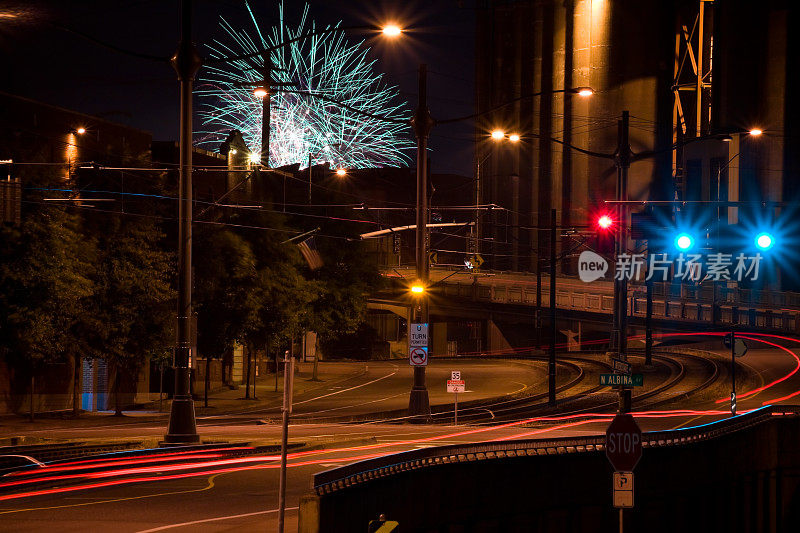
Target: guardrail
(388,465)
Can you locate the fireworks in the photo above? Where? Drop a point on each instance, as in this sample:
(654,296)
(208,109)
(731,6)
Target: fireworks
(337,109)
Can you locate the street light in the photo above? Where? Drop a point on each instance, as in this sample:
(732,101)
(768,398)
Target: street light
(80,131)
(182,427)
(514,137)
(311,155)
(417,288)
(755,132)
(392,30)
(341,172)
(498,135)
(260,92)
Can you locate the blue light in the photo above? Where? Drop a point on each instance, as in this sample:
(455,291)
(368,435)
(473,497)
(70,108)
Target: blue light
(764,241)
(684,241)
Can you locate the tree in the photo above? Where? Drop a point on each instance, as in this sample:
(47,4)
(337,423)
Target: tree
(347,278)
(134,301)
(227,296)
(45,284)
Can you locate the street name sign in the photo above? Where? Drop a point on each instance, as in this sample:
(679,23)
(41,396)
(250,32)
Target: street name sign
(456,385)
(623,489)
(623,380)
(623,443)
(620,366)
(418,336)
(739,346)
(418,356)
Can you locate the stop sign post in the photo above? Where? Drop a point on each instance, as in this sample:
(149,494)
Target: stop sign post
(623,443)
(623,449)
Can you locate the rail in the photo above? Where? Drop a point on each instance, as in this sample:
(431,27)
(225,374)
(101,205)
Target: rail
(388,465)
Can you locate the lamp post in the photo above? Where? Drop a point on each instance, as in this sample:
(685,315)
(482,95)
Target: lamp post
(755,132)
(186,62)
(418,403)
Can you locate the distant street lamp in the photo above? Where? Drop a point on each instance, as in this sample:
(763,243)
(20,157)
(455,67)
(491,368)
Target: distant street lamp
(392,30)
(311,156)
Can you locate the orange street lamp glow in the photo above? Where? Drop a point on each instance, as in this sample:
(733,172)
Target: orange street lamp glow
(755,132)
(260,92)
(255,158)
(417,289)
(392,30)
(341,172)
(498,135)
(514,137)
(585,91)
(81,131)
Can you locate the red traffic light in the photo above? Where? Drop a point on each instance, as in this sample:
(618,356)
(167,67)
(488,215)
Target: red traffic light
(604,222)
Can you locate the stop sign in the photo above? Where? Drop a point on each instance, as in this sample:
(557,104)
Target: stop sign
(623,443)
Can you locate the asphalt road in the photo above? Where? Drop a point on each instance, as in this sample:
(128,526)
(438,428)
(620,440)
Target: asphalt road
(243,497)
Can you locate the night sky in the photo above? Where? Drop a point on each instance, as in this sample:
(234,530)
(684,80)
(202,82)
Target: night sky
(55,66)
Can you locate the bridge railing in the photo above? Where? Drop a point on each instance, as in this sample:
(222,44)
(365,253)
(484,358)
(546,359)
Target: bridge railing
(680,302)
(388,465)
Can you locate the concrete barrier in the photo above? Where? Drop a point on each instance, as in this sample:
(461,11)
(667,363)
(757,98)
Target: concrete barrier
(739,474)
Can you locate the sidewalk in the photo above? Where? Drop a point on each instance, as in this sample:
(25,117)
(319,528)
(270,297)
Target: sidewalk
(15,429)
(233,401)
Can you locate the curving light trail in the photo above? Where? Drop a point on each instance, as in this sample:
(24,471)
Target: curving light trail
(297,459)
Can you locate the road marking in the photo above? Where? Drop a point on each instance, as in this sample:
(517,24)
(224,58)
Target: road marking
(207,487)
(688,422)
(345,390)
(349,406)
(183,524)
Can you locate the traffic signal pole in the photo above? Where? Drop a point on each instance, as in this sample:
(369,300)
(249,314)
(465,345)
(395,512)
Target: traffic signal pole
(418,402)
(733,372)
(619,336)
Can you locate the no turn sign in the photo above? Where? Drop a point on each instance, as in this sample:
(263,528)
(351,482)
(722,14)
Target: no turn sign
(418,356)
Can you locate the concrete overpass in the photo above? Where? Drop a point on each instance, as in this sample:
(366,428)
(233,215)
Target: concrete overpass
(493,298)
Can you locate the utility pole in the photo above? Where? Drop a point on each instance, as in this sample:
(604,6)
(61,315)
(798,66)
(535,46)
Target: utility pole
(648,325)
(551,363)
(288,385)
(418,403)
(619,336)
(266,106)
(310,175)
(186,62)
(538,318)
